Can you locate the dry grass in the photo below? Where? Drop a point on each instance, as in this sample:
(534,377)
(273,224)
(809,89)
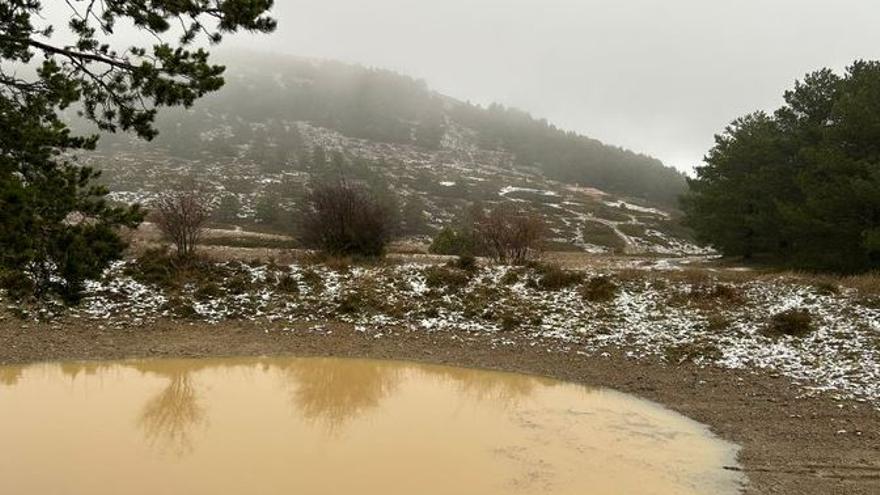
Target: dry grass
(707,295)
(365,296)
(250,242)
(793,322)
(446,277)
(866,284)
(717,322)
(553,277)
(599,289)
(602,235)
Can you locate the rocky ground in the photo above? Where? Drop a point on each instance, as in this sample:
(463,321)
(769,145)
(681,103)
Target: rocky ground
(444,182)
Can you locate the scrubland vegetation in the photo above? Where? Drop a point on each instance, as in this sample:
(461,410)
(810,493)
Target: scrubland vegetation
(772,321)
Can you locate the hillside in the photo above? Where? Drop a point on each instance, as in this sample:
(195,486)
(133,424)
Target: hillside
(281,123)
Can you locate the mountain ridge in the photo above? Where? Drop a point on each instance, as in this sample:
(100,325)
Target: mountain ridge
(273,130)
(383,105)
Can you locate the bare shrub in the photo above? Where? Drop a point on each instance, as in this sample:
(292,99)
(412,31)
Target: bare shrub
(181,217)
(342,219)
(599,289)
(509,235)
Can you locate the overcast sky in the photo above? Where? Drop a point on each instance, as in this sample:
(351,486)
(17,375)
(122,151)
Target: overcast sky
(656,76)
(659,77)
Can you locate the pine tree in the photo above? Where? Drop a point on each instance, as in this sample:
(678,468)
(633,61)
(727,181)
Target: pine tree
(56,228)
(800,187)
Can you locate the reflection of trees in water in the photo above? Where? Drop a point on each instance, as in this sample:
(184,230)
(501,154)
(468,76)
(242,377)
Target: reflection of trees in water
(327,391)
(505,389)
(74,369)
(334,391)
(10,375)
(168,420)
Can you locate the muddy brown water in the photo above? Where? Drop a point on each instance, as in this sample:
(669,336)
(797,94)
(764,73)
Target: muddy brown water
(335,426)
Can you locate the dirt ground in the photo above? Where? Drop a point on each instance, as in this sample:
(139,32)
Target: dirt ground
(790,445)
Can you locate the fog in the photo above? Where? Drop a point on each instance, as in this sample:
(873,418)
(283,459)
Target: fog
(656,77)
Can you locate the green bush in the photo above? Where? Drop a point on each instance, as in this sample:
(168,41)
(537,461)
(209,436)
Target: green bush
(708,295)
(717,323)
(452,242)
(209,290)
(510,322)
(364,296)
(313,279)
(237,284)
(287,284)
(511,277)
(154,267)
(18,286)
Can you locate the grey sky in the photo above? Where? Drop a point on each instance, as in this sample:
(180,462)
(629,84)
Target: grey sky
(660,77)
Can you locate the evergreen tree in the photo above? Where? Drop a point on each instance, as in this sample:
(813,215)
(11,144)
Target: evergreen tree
(56,229)
(413,217)
(228,209)
(268,209)
(800,187)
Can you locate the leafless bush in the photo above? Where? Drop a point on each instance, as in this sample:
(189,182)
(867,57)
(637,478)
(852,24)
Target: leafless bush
(509,235)
(343,219)
(181,217)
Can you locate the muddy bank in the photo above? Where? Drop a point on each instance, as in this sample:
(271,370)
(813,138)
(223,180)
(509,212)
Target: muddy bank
(791,445)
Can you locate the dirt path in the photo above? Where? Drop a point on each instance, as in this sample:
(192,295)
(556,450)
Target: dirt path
(790,445)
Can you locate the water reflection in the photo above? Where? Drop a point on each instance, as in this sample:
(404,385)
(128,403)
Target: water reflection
(73,370)
(486,386)
(279,426)
(327,392)
(170,418)
(332,392)
(10,375)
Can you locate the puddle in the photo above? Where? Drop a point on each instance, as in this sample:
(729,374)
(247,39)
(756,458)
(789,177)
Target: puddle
(333,426)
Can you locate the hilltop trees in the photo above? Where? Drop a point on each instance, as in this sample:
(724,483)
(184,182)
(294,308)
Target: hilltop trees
(800,187)
(569,157)
(56,229)
(383,106)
